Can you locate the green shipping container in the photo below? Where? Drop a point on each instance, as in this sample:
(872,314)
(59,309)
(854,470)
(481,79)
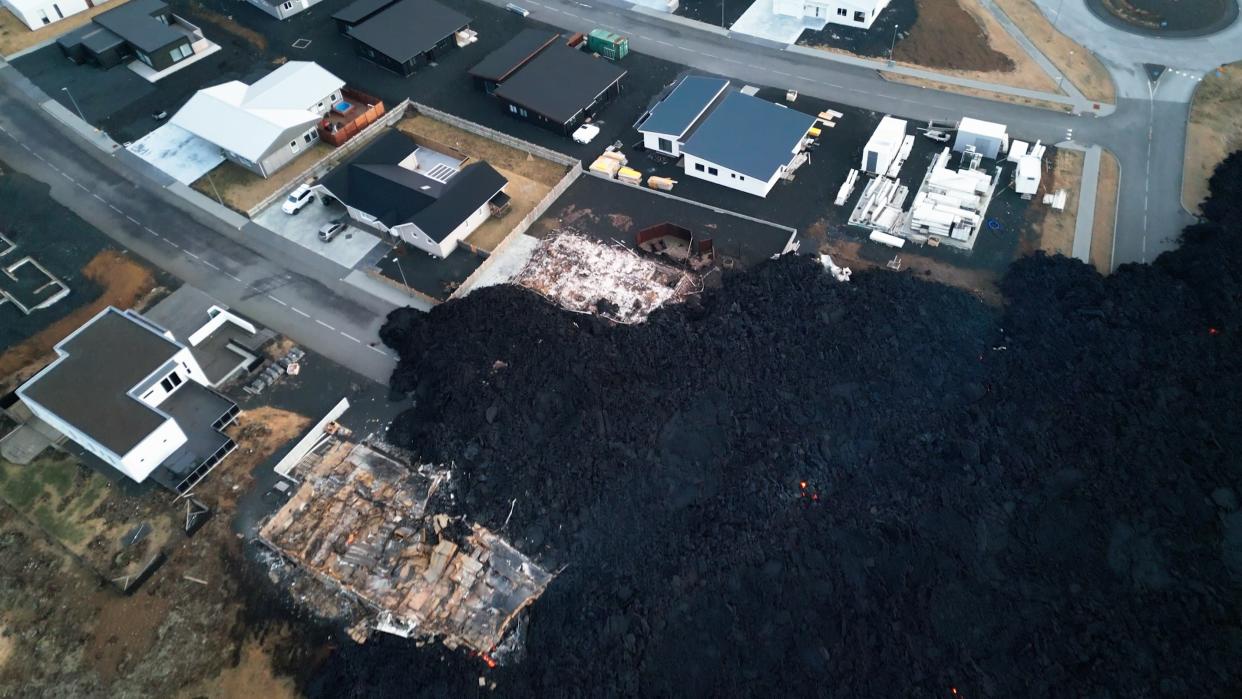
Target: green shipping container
(612,46)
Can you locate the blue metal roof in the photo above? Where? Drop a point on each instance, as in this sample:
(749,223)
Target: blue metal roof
(749,135)
(676,113)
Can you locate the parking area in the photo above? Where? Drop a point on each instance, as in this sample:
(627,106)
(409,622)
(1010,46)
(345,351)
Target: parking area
(347,250)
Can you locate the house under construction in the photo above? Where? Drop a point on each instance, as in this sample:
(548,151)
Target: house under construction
(363,522)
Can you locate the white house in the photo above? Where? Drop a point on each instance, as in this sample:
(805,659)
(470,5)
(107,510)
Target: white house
(283,9)
(38,13)
(265,125)
(730,138)
(847,13)
(125,390)
(429,200)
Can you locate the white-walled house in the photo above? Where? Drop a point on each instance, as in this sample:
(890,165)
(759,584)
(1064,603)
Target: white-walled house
(429,200)
(847,13)
(39,13)
(264,126)
(125,390)
(283,9)
(727,137)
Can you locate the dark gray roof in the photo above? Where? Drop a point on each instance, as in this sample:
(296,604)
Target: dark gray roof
(498,64)
(196,409)
(134,23)
(409,28)
(373,182)
(107,358)
(748,135)
(99,39)
(677,112)
(560,82)
(357,11)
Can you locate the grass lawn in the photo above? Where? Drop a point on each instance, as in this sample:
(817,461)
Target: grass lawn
(1056,228)
(1214,132)
(241,189)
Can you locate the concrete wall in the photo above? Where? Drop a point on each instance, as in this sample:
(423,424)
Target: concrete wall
(727,177)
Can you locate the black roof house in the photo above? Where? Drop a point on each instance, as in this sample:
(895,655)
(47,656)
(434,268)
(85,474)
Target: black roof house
(358,12)
(502,63)
(560,87)
(372,181)
(139,27)
(406,34)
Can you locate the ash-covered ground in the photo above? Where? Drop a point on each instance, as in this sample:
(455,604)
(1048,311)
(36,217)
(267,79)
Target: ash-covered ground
(790,486)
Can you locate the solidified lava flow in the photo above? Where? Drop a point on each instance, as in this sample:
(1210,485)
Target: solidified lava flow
(789,486)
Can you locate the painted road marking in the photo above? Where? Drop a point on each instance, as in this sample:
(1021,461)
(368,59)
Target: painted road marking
(324,324)
(234,278)
(192,255)
(148,229)
(133,220)
(299,311)
(208,263)
(110,206)
(84,189)
(66,176)
(95,195)
(277,300)
(351,337)
(376,349)
(166,240)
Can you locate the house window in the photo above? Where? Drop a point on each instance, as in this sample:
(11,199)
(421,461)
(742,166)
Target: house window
(712,171)
(842,12)
(144,58)
(741,178)
(180,52)
(287,5)
(665,145)
(699,167)
(860,17)
(293,146)
(171,381)
(309,136)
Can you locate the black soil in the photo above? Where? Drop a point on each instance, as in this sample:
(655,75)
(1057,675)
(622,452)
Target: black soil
(794,487)
(892,26)
(710,11)
(1172,18)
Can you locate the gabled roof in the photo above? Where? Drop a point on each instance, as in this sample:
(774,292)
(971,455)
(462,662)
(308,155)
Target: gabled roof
(88,385)
(748,135)
(499,64)
(373,182)
(248,120)
(361,9)
(560,82)
(134,23)
(684,104)
(409,28)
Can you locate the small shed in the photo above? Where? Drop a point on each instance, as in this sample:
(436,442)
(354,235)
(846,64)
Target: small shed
(883,145)
(612,46)
(989,139)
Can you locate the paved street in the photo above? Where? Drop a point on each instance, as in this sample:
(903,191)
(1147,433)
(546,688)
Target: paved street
(290,290)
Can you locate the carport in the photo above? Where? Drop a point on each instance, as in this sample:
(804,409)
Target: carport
(177,153)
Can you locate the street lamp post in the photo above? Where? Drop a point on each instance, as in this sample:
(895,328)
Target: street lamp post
(75,103)
(402,271)
(722,10)
(893,46)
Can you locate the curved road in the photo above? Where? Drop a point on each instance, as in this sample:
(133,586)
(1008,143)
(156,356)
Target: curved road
(1146,131)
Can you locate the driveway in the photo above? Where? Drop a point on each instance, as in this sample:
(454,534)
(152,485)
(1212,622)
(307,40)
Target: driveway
(347,249)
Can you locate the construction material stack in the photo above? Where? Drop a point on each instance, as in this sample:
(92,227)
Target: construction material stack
(951,204)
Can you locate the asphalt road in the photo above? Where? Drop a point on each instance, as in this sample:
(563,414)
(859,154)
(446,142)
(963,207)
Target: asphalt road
(1146,135)
(283,289)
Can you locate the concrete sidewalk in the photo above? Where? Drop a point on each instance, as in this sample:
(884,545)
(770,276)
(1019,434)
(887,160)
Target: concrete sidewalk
(1085,224)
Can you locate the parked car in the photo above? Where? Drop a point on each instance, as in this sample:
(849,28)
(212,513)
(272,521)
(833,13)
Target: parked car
(298,198)
(518,9)
(329,231)
(160,115)
(936,135)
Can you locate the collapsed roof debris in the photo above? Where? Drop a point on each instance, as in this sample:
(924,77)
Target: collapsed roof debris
(586,276)
(362,522)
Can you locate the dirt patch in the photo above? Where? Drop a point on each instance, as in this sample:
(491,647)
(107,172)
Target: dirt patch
(981,283)
(242,190)
(1104,227)
(1214,132)
(124,282)
(252,676)
(15,36)
(200,14)
(973,92)
(7,646)
(1054,230)
(124,629)
(1078,64)
(259,432)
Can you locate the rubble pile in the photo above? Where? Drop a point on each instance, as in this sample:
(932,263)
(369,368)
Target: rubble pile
(361,523)
(789,486)
(586,276)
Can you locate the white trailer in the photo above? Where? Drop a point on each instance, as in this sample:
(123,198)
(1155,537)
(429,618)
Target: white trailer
(883,146)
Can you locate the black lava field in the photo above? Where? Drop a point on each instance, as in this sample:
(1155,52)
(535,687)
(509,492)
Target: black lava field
(789,486)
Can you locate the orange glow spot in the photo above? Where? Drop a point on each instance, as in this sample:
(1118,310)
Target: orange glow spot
(954,690)
(1213,331)
(802,485)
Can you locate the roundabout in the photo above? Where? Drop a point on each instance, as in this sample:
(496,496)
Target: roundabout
(1166,18)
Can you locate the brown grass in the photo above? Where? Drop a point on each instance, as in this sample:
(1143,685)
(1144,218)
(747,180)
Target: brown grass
(1078,64)
(124,282)
(1214,132)
(972,92)
(1104,227)
(252,676)
(199,14)
(127,627)
(530,178)
(242,190)
(1056,228)
(6,645)
(15,36)
(259,433)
